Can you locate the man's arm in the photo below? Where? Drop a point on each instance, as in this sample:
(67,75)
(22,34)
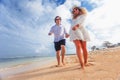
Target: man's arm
(51,31)
(66,34)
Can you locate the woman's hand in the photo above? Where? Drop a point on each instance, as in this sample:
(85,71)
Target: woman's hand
(75,27)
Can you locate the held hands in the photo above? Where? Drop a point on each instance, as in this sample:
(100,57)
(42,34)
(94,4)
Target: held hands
(67,35)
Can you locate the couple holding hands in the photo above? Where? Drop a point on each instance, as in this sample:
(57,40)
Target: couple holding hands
(77,34)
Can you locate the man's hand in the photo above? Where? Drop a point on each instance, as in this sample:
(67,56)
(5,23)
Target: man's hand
(49,33)
(67,35)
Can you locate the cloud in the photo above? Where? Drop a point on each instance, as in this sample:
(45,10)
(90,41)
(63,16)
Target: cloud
(104,21)
(24,25)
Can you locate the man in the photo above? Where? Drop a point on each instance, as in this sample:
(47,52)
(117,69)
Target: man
(60,33)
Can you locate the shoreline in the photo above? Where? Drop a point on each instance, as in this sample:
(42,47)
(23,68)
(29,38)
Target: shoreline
(23,67)
(105,66)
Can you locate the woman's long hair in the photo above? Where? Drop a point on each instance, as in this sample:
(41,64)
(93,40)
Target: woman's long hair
(82,10)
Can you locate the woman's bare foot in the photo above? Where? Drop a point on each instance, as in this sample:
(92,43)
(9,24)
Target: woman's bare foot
(89,64)
(82,66)
(63,63)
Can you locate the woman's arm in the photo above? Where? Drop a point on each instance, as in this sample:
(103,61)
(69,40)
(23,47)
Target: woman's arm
(81,21)
(75,27)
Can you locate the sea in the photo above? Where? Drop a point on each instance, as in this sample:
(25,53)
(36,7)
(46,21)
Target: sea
(15,65)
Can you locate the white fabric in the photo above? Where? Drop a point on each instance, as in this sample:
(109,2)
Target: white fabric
(81,33)
(59,32)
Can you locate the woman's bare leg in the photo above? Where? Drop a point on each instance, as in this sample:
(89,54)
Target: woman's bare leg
(85,53)
(78,51)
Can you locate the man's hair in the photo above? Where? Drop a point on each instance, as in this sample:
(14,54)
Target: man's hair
(57,17)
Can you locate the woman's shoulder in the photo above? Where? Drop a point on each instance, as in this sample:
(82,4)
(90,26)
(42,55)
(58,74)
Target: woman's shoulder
(83,15)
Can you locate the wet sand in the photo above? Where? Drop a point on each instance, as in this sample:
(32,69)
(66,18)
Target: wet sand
(105,65)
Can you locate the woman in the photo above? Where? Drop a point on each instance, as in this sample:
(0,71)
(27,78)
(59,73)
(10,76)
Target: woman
(79,35)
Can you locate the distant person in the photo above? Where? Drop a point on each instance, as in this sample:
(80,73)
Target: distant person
(60,34)
(79,35)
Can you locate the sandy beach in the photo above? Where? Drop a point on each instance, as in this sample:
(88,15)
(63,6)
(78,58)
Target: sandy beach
(105,65)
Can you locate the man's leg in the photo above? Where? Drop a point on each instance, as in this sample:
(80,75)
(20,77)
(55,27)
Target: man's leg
(58,57)
(57,48)
(63,50)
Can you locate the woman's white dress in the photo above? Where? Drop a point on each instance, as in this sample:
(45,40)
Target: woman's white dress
(81,33)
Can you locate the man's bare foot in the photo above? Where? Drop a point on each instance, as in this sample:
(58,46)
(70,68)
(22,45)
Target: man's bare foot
(58,65)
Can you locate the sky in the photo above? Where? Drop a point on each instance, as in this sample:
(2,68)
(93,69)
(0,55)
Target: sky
(24,24)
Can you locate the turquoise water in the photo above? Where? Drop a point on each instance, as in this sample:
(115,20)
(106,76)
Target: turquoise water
(11,66)
(10,62)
